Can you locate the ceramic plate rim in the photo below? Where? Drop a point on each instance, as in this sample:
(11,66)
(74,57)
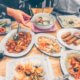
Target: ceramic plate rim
(39,57)
(62,62)
(59,33)
(52,37)
(23,52)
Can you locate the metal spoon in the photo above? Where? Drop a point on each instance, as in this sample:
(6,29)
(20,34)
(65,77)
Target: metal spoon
(16,36)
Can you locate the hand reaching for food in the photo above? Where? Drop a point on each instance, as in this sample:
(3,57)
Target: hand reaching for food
(18,15)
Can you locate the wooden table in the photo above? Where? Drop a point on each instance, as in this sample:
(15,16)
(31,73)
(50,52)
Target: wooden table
(54,61)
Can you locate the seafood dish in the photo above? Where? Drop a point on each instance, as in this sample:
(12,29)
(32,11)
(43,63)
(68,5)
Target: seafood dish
(28,71)
(69,21)
(70,38)
(70,64)
(74,65)
(43,20)
(29,68)
(17,46)
(48,44)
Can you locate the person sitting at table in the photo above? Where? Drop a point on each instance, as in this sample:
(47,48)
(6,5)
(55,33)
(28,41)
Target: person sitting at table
(66,7)
(18,15)
(18,8)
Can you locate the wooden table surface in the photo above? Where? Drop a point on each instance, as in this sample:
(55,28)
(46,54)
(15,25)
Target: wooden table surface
(54,61)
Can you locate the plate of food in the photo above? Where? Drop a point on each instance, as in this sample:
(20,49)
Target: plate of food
(30,68)
(20,47)
(48,44)
(5,26)
(69,21)
(69,38)
(43,20)
(70,64)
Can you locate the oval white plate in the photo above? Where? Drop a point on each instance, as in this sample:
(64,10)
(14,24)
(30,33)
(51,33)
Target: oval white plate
(7,20)
(47,15)
(63,58)
(5,39)
(51,37)
(61,32)
(37,60)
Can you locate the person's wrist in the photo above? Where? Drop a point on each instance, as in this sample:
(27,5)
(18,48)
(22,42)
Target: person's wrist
(10,11)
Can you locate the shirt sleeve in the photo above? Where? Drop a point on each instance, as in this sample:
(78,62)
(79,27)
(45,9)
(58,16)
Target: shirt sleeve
(2,8)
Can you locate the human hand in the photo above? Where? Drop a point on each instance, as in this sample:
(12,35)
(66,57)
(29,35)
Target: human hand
(18,15)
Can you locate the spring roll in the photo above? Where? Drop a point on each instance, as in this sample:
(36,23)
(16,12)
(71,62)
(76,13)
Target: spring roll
(65,35)
(68,38)
(71,40)
(76,42)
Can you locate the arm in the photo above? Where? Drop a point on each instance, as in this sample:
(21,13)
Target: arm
(2,8)
(18,15)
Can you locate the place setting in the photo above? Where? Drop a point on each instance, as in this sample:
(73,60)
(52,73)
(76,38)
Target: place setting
(46,47)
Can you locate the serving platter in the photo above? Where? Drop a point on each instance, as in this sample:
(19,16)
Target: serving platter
(45,18)
(36,60)
(66,30)
(54,41)
(13,54)
(69,21)
(65,64)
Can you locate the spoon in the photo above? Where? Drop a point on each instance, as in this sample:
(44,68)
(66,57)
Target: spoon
(16,36)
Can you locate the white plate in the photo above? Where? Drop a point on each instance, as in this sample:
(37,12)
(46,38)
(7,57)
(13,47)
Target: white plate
(5,39)
(38,60)
(8,27)
(64,21)
(50,37)
(61,32)
(63,62)
(46,15)
(7,20)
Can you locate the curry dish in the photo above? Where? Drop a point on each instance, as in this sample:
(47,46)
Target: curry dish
(21,44)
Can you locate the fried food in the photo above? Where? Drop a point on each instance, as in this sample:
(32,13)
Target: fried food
(65,35)
(19,45)
(71,38)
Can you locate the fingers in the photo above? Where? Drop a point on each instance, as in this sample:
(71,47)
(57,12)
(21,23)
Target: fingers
(26,16)
(21,20)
